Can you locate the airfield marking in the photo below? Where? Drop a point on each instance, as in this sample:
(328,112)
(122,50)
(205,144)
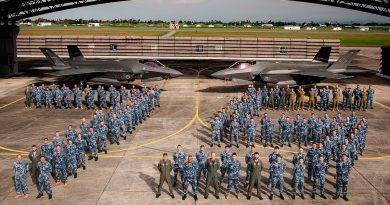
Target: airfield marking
(11,103)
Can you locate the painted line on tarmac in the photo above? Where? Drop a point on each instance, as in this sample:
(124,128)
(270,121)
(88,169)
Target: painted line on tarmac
(11,103)
(384,106)
(12,150)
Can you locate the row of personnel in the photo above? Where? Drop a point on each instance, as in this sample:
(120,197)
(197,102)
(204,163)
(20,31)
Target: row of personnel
(63,156)
(191,170)
(53,96)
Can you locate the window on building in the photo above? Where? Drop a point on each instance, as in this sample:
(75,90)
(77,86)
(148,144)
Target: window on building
(113,47)
(283,49)
(199,48)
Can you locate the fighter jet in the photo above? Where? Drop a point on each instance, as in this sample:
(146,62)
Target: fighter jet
(292,72)
(106,71)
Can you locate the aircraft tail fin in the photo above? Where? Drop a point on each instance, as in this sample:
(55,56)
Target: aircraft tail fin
(52,57)
(344,61)
(75,53)
(323,54)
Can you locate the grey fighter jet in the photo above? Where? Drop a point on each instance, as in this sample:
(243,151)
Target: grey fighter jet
(106,71)
(292,72)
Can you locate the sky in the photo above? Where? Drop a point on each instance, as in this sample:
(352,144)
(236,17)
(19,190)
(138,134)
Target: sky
(224,10)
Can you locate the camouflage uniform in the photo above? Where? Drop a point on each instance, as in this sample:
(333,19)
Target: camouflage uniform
(201,157)
(319,177)
(190,171)
(80,156)
(216,133)
(21,168)
(298,179)
(233,171)
(179,160)
(59,161)
(71,157)
(44,178)
(342,172)
(276,176)
(226,158)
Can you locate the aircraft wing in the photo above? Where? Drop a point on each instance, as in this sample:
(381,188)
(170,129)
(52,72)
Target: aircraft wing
(322,74)
(78,71)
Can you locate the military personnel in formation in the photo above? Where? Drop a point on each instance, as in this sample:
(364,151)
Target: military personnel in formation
(349,96)
(44,184)
(274,155)
(71,159)
(34,157)
(319,177)
(363,101)
(251,135)
(91,99)
(269,133)
(29,97)
(336,99)
(47,150)
(370,97)
(248,159)
(59,162)
(165,167)
(78,98)
(190,170)
(234,127)
(299,155)
(233,171)
(271,99)
(80,155)
(226,158)
(299,178)
(255,168)
(324,99)
(312,158)
(301,102)
(276,171)
(263,122)
(356,97)
(287,127)
(201,157)
(342,174)
(311,102)
(216,133)
(21,168)
(293,98)
(70,134)
(101,132)
(302,132)
(212,166)
(179,158)
(92,144)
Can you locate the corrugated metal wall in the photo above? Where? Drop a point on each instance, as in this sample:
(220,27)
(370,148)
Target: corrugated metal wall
(179,46)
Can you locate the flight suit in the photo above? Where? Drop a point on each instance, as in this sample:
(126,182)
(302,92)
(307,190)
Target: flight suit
(255,168)
(165,168)
(212,167)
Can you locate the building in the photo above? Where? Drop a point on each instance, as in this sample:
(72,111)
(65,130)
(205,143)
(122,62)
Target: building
(311,28)
(248,26)
(364,29)
(174,25)
(43,24)
(25,24)
(294,28)
(267,25)
(211,26)
(198,26)
(93,24)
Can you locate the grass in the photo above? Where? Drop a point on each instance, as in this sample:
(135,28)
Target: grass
(348,37)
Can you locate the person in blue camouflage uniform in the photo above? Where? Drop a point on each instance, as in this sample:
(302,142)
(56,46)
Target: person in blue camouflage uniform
(226,158)
(299,155)
(321,151)
(264,96)
(318,127)
(276,171)
(80,156)
(353,147)
(100,115)
(58,98)
(234,127)
(263,123)
(370,97)
(328,148)
(21,168)
(33,93)
(277,96)
(356,94)
(59,162)
(326,124)
(74,92)
(128,119)
(78,98)
(312,158)
(248,159)
(101,132)
(38,97)
(44,184)
(233,171)
(102,97)
(286,132)
(258,102)
(91,99)
(57,140)
(67,98)
(320,177)
(201,157)
(298,178)
(122,126)
(70,134)
(114,129)
(297,123)
(311,122)
(48,98)
(342,174)
(190,172)
(251,129)
(274,155)
(84,128)
(334,144)
(71,159)
(324,100)
(156,98)
(281,121)
(302,132)
(224,122)
(47,150)
(179,158)
(216,131)
(92,144)
(123,93)
(269,133)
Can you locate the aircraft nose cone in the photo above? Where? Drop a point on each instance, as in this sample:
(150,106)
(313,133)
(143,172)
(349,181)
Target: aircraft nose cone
(175,73)
(219,74)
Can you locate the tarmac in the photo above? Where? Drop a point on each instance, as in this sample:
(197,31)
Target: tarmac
(128,173)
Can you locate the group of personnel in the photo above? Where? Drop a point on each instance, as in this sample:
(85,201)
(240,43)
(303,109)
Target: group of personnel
(53,96)
(63,156)
(315,162)
(318,98)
